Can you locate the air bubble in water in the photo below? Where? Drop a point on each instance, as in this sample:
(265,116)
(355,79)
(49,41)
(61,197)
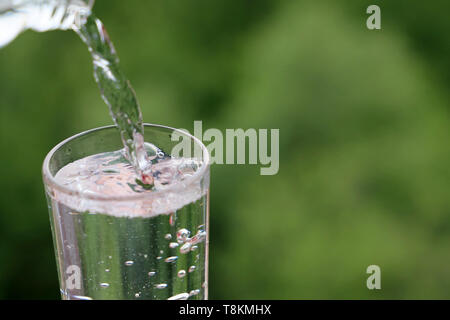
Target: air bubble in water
(194,292)
(180,296)
(191,268)
(104,285)
(185,247)
(182,235)
(168,236)
(158,258)
(129,263)
(181,273)
(81,297)
(107,270)
(151,273)
(200,236)
(171,259)
(161,286)
(173,245)
(172,218)
(137,295)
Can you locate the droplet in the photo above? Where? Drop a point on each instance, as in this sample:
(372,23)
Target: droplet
(173,245)
(185,247)
(129,263)
(107,270)
(151,273)
(145,256)
(180,296)
(137,295)
(158,258)
(171,259)
(161,251)
(168,236)
(161,286)
(104,285)
(194,292)
(181,273)
(109,257)
(191,268)
(182,235)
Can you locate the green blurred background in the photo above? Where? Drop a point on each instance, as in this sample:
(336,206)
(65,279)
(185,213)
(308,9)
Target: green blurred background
(364,138)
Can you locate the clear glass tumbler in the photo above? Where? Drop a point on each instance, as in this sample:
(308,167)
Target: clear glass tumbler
(127,246)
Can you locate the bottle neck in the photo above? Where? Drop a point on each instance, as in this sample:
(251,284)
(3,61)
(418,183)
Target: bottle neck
(56,14)
(40,15)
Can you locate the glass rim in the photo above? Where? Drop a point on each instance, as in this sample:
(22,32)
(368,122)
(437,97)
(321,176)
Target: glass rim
(49,179)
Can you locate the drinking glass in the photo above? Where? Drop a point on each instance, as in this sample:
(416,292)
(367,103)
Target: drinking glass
(148,245)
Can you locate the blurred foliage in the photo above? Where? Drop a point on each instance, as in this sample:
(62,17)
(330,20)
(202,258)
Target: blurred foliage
(364,130)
